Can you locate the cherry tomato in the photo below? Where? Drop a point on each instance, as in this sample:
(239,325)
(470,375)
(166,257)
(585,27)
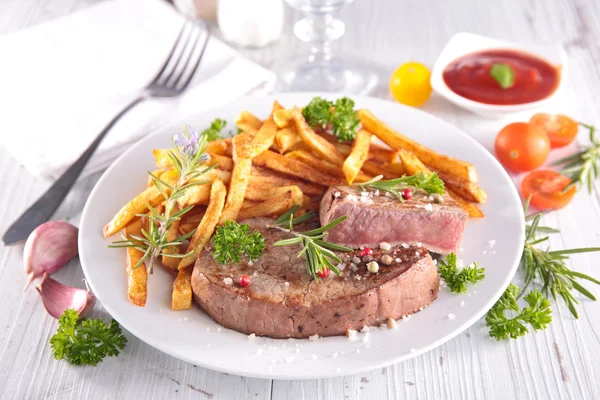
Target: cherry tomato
(522,147)
(410,85)
(561,130)
(546,189)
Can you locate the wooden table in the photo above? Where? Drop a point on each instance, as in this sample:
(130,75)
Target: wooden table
(558,363)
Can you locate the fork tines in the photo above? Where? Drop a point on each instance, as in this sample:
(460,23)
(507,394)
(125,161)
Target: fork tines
(184,58)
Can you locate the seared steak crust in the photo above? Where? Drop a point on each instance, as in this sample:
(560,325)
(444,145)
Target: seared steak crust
(283,301)
(374,219)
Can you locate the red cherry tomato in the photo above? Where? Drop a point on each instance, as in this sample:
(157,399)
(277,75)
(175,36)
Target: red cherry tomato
(561,130)
(546,189)
(522,147)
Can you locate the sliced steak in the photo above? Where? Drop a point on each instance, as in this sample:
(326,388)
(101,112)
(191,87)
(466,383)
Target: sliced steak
(376,217)
(282,301)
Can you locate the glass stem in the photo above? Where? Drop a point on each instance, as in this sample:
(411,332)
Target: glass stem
(319,29)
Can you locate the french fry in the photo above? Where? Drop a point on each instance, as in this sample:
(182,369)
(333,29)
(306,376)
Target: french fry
(216,147)
(309,204)
(357,157)
(198,194)
(191,219)
(172,234)
(373,169)
(137,278)
(413,165)
(397,141)
(137,205)
(223,162)
(289,166)
(237,190)
(157,172)
(260,177)
(248,119)
(265,137)
(250,203)
(469,191)
(274,206)
(207,226)
(286,138)
(182,290)
(246,127)
(376,152)
(323,166)
(472,209)
(316,143)
(282,118)
(265,192)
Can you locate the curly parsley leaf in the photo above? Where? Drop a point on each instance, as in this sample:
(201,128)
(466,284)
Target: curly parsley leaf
(232,240)
(86,341)
(214,131)
(457,280)
(340,115)
(538,314)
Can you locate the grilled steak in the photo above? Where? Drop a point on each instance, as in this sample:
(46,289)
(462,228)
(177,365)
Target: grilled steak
(373,219)
(283,301)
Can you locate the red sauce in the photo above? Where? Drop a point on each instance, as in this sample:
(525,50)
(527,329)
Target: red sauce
(469,76)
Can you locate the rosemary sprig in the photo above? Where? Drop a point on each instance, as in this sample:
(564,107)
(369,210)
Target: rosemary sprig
(582,167)
(318,253)
(430,183)
(188,156)
(549,268)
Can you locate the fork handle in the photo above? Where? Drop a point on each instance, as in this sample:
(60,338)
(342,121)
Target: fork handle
(44,207)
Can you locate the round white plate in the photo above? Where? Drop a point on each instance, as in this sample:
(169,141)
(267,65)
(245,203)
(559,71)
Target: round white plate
(495,241)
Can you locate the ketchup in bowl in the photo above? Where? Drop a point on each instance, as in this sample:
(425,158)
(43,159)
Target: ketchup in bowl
(469,76)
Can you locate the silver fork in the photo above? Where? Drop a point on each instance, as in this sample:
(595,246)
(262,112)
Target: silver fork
(173,78)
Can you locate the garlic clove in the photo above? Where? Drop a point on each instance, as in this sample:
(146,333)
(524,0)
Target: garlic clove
(49,247)
(57,297)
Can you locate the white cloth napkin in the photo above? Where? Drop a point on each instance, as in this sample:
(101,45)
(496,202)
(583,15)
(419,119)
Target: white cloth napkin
(61,82)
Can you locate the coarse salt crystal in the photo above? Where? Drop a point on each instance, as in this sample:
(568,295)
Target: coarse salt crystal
(341,266)
(451,316)
(356,260)
(287,284)
(388,194)
(364,194)
(419,244)
(377,193)
(428,207)
(351,334)
(351,197)
(405,245)
(252,337)
(313,337)
(353,267)
(398,260)
(365,329)
(385,246)
(417,253)
(227,281)
(391,323)
(255,273)
(337,194)
(358,277)
(420,308)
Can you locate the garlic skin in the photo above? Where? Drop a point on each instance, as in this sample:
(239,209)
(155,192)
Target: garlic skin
(57,297)
(49,247)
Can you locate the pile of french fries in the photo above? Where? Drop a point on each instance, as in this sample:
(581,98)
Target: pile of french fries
(271,166)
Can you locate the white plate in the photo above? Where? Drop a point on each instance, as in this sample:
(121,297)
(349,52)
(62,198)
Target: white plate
(192,336)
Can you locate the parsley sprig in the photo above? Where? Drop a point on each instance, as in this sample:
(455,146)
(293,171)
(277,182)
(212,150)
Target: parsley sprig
(457,279)
(86,341)
(233,240)
(318,253)
(428,182)
(341,115)
(214,131)
(538,314)
(582,167)
(549,268)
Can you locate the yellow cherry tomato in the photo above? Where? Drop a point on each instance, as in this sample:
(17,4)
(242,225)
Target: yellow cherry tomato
(410,85)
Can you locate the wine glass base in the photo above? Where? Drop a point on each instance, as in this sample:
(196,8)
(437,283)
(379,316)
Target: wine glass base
(345,74)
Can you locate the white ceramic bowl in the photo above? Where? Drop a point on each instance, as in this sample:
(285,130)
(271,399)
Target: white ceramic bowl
(466,43)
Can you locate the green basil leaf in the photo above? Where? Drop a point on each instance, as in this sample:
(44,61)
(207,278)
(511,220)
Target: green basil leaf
(503,74)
